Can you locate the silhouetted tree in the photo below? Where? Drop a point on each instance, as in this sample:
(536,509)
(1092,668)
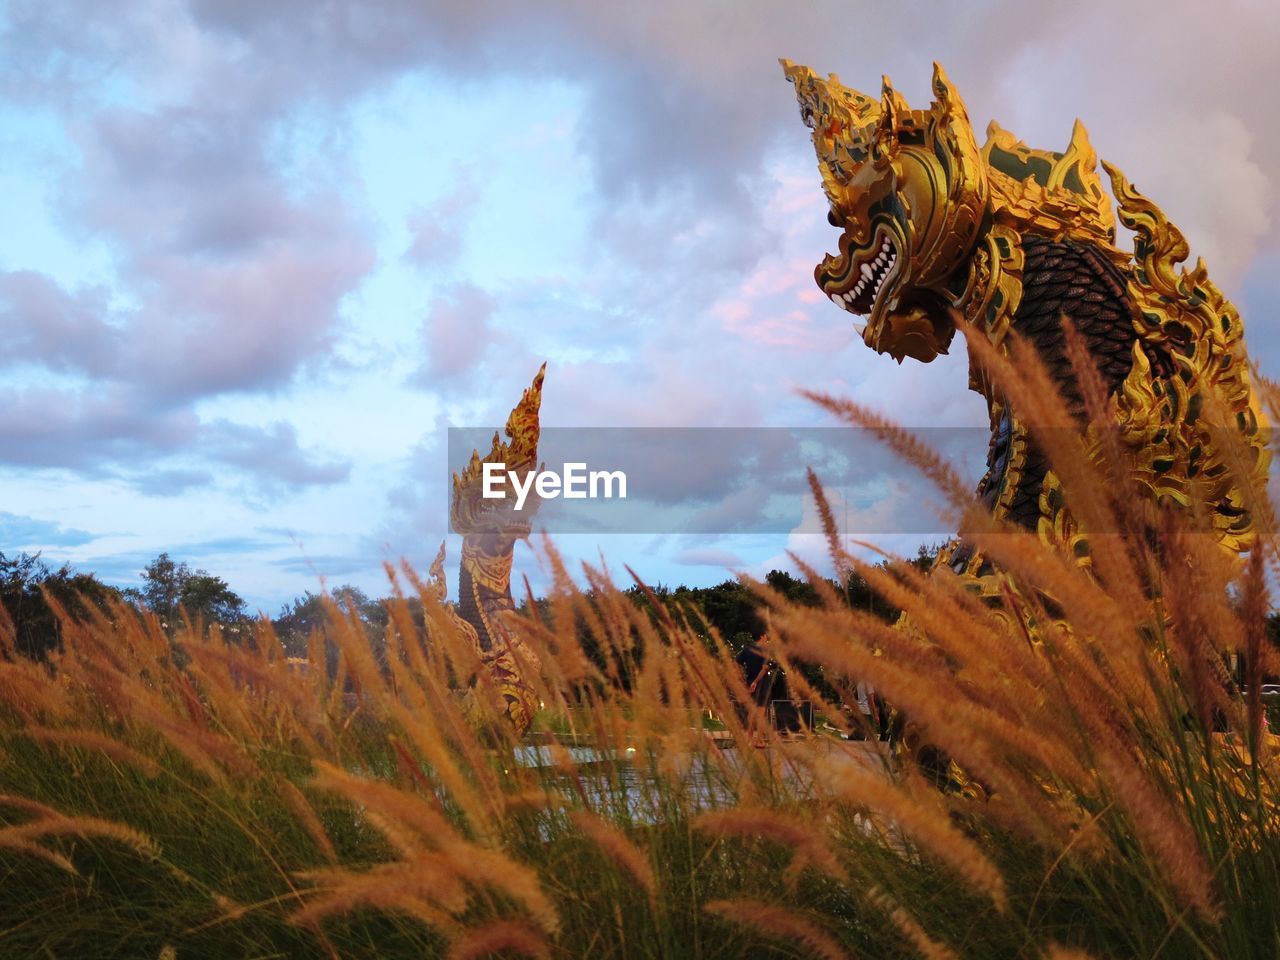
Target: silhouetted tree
(307,613)
(169,588)
(26,586)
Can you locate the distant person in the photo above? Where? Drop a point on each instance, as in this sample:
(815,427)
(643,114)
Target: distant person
(866,707)
(767,684)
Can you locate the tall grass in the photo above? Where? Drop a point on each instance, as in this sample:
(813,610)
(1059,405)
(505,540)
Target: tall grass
(209,799)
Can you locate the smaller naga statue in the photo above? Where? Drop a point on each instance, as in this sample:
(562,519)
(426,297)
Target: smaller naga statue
(938,232)
(490,532)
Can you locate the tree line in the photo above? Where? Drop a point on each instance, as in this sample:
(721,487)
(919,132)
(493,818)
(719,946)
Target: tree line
(178,594)
(31,590)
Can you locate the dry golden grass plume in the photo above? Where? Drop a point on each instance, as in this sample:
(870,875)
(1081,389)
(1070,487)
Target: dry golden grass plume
(500,937)
(619,849)
(925,945)
(780,924)
(807,842)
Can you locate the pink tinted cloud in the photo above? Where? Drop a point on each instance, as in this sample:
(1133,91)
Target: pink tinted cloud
(457,334)
(436,231)
(709,557)
(44,325)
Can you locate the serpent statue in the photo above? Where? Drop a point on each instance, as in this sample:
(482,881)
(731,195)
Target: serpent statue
(1005,239)
(490,532)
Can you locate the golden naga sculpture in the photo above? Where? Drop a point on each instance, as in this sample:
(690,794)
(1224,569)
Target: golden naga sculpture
(490,532)
(939,232)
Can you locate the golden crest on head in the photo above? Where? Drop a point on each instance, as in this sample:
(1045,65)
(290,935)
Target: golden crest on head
(843,121)
(909,189)
(468,512)
(1055,193)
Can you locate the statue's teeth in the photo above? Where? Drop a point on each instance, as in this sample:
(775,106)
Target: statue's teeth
(835,298)
(866,270)
(859,328)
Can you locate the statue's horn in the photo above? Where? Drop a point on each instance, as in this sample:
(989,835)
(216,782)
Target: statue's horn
(892,107)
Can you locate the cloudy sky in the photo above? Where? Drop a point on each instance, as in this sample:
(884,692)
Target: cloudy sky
(258,257)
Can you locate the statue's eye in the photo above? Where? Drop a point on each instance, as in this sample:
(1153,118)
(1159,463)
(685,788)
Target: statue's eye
(833,218)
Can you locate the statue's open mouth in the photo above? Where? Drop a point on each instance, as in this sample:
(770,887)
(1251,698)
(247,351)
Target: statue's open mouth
(853,280)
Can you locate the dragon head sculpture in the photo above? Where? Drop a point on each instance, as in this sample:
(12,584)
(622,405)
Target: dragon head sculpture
(909,189)
(915,197)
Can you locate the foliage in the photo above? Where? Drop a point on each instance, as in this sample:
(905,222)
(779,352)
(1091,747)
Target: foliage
(173,591)
(235,803)
(298,621)
(31,592)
